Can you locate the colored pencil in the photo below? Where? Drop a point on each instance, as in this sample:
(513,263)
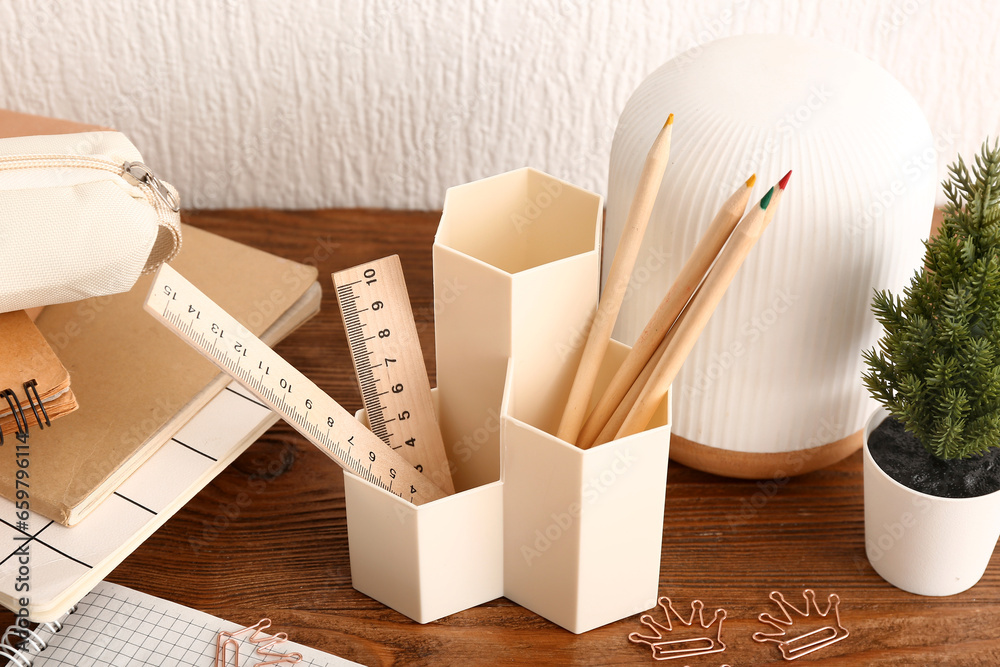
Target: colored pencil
(709,295)
(687,281)
(614,289)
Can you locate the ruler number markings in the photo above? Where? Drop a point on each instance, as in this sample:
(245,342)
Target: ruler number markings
(213,332)
(388,363)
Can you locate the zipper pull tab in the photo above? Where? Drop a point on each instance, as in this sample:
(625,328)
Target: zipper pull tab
(144,174)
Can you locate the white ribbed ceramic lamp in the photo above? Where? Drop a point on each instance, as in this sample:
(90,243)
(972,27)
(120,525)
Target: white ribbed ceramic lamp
(773,385)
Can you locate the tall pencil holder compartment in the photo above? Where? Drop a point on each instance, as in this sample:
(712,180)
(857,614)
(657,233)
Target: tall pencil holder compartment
(516,270)
(583,529)
(426,561)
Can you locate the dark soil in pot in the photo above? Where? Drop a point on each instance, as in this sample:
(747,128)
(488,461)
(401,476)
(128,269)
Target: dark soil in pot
(903,458)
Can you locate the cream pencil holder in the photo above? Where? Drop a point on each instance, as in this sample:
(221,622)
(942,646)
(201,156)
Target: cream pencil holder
(426,561)
(582,529)
(516,271)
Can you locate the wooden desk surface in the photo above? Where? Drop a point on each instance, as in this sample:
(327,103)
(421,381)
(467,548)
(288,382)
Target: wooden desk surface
(726,542)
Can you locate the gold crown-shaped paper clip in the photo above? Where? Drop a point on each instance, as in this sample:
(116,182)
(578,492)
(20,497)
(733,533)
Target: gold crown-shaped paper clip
(263,644)
(680,643)
(794,646)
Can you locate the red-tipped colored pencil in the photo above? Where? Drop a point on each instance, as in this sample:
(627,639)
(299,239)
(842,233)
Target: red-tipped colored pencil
(700,309)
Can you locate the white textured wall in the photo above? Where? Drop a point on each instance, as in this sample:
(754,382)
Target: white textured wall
(387,103)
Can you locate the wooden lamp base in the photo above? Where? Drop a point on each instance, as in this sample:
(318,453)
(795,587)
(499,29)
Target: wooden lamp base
(761,465)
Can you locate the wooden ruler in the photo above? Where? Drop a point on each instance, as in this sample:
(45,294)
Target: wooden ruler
(206,327)
(390,366)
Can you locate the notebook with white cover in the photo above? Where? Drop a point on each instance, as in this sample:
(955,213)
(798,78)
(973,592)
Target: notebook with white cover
(65,563)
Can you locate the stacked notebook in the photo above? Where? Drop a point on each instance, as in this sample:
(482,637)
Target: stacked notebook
(68,562)
(34,385)
(157,422)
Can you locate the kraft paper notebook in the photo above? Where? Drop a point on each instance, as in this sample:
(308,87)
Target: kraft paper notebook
(116,626)
(16,124)
(34,384)
(136,382)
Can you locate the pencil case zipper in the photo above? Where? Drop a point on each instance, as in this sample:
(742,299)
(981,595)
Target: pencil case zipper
(134,173)
(81,215)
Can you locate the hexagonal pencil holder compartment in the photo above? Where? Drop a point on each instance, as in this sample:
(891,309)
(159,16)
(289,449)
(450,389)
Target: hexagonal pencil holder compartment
(583,529)
(516,276)
(426,561)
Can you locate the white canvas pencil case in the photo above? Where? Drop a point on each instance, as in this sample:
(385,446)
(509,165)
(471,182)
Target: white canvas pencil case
(80,216)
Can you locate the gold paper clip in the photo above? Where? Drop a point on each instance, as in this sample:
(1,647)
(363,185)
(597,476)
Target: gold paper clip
(264,650)
(793,647)
(263,644)
(683,647)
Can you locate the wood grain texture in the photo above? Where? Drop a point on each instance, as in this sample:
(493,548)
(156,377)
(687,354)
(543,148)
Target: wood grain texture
(728,542)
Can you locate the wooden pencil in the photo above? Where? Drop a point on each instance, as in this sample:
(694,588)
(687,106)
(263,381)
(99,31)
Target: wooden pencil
(687,281)
(614,289)
(617,417)
(690,327)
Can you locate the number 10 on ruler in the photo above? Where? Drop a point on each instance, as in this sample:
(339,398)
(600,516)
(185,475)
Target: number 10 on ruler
(390,366)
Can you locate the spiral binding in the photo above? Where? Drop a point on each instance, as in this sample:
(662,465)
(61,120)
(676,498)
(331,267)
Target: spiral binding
(34,402)
(20,645)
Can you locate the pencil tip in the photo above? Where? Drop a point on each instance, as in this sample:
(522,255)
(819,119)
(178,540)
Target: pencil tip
(751,180)
(670,120)
(767,198)
(784,181)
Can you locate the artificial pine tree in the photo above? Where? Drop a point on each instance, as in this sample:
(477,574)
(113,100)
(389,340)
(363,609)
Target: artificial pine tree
(937,368)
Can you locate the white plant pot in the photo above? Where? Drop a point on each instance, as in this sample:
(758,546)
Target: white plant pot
(925,544)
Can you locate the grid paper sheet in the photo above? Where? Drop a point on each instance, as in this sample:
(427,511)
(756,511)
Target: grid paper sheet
(116,626)
(67,562)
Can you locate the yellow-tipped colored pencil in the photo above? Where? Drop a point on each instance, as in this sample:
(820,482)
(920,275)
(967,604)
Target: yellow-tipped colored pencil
(614,289)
